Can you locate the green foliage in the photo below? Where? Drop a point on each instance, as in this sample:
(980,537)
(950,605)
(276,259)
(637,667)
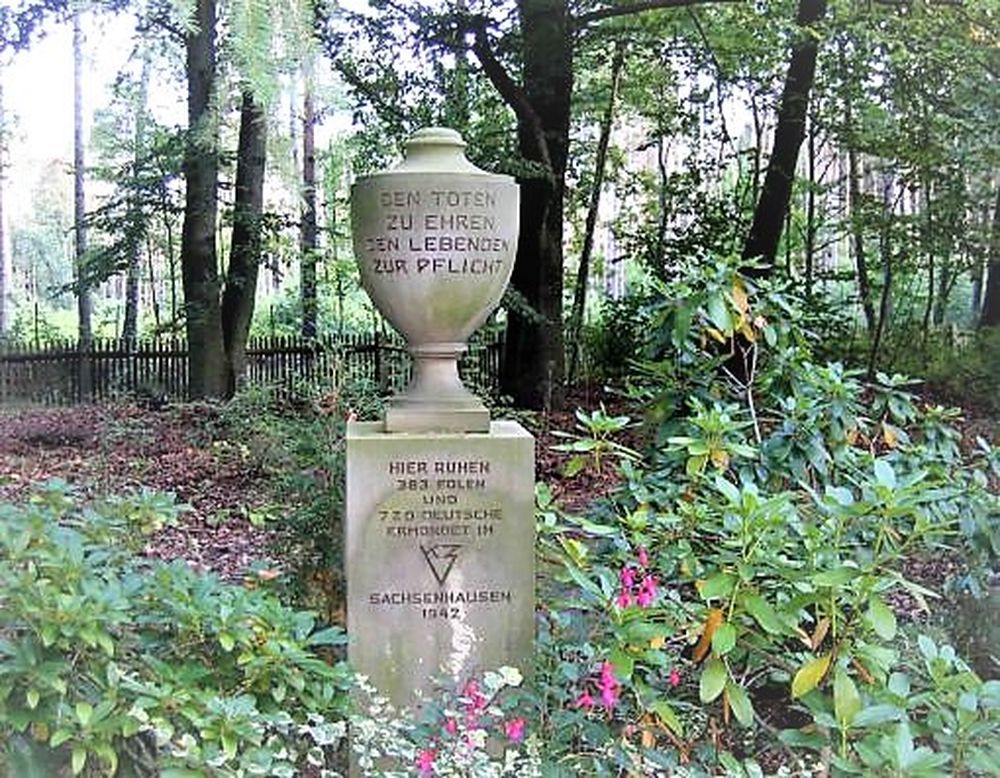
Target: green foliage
(295,440)
(105,656)
(754,558)
(592,441)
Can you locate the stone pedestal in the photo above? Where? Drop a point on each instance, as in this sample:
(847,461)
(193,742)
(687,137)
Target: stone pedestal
(439,554)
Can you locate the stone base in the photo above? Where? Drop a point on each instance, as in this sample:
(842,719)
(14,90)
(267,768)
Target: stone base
(439,552)
(411,417)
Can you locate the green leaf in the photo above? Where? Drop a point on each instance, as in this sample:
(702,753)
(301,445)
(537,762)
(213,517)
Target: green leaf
(884,474)
(331,636)
(32,697)
(713,679)
(226,641)
(79,759)
(740,703)
(623,663)
(809,675)
(662,709)
(846,700)
(574,466)
(728,489)
(695,465)
(882,618)
(724,639)
(718,314)
(84,710)
(229,744)
(718,586)
(763,613)
(59,737)
(874,715)
(836,577)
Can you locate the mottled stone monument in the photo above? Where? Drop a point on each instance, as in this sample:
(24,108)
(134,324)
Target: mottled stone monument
(440,531)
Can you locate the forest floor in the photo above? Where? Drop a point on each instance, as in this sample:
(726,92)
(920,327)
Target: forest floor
(183,449)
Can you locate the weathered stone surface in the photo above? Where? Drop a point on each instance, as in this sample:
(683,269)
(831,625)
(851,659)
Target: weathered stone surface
(440,555)
(435,239)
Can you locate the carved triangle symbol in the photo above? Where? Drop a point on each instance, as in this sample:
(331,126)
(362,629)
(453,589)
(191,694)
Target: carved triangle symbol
(441,558)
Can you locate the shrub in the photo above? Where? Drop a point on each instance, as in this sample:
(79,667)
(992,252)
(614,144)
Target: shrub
(111,662)
(743,581)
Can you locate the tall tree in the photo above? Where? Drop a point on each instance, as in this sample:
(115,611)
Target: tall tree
(199,264)
(990,315)
(534,356)
(245,253)
(83,306)
(133,273)
(4,294)
(308,235)
(590,225)
(775,195)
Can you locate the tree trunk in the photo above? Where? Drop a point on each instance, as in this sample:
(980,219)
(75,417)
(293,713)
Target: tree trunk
(765,232)
(927,225)
(990,314)
(858,237)
(199,264)
(534,359)
(244,259)
(810,247)
(885,249)
(583,272)
(308,235)
(3,233)
(133,275)
(84,329)
(662,217)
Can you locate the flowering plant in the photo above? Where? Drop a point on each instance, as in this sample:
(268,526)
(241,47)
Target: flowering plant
(474,731)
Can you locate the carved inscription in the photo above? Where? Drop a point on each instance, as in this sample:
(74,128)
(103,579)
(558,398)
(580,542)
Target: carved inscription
(463,238)
(443,512)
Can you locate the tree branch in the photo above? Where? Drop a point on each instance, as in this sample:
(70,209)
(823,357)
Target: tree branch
(640,6)
(512,93)
(378,101)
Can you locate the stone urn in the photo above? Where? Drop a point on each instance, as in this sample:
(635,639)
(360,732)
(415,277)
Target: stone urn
(435,239)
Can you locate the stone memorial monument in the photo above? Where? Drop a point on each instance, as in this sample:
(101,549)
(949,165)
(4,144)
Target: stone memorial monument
(439,545)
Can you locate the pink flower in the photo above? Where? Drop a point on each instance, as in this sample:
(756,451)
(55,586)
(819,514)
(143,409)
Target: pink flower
(627,577)
(643,557)
(514,730)
(475,700)
(675,677)
(425,762)
(624,599)
(608,685)
(451,726)
(647,591)
(585,700)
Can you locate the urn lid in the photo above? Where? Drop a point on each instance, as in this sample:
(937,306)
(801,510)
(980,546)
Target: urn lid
(435,150)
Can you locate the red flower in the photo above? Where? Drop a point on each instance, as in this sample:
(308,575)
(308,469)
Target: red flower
(514,730)
(675,677)
(451,726)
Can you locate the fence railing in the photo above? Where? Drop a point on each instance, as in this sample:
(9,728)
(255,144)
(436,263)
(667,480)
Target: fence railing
(64,373)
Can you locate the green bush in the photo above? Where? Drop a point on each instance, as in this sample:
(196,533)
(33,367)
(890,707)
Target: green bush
(295,442)
(112,662)
(736,598)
